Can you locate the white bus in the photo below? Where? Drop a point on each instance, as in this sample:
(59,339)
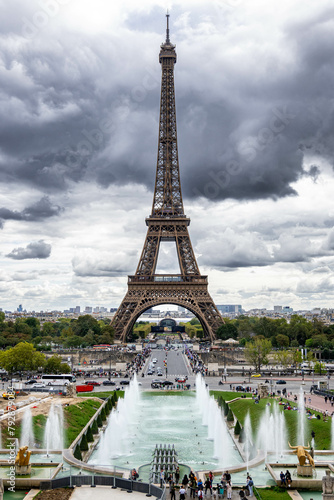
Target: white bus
(63,379)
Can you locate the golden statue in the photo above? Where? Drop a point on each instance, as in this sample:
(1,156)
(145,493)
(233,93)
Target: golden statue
(303,454)
(23,456)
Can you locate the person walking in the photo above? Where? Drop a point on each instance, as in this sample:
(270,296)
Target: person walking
(193,486)
(250,485)
(172,492)
(208,485)
(229,489)
(182,493)
(185,481)
(177,475)
(162,478)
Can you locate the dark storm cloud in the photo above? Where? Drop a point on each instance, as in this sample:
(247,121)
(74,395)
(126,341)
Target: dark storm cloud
(35,250)
(42,209)
(80,107)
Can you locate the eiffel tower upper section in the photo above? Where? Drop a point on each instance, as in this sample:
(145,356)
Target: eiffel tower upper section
(167,220)
(167,201)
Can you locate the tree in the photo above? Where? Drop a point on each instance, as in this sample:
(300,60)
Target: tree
(22,357)
(283,357)
(256,352)
(89,434)
(56,365)
(237,428)
(230,417)
(282,340)
(319,367)
(84,324)
(84,443)
(227,330)
(77,453)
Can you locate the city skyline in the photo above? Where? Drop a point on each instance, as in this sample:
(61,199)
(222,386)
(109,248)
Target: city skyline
(79,135)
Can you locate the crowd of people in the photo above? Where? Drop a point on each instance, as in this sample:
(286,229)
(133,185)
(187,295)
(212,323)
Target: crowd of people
(199,489)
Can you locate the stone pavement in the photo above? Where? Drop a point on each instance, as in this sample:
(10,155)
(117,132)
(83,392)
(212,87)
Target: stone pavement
(315,402)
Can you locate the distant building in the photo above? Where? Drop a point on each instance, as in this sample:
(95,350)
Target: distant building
(20,309)
(287,309)
(278,308)
(229,308)
(88,309)
(113,309)
(77,310)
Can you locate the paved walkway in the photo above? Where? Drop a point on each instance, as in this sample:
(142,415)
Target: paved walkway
(315,402)
(107,493)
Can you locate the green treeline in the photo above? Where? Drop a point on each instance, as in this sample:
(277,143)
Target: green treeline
(82,332)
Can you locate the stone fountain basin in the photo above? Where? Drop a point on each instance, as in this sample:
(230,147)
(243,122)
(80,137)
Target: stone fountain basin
(39,471)
(309,483)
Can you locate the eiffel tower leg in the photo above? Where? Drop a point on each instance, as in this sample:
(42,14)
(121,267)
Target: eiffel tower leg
(138,299)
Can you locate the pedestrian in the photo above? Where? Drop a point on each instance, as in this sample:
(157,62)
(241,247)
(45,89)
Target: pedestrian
(185,481)
(227,476)
(172,491)
(200,494)
(325,399)
(250,485)
(177,475)
(193,486)
(242,494)
(288,478)
(229,489)
(282,477)
(200,485)
(182,493)
(208,485)
(309,401)
(162,478)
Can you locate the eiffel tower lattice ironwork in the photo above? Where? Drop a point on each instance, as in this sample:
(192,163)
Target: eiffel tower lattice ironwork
(167,222)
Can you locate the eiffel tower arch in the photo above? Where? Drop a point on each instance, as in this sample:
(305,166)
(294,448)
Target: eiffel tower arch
(167,222)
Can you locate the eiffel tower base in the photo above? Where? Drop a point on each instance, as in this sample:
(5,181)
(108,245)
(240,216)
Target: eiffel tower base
(192,295)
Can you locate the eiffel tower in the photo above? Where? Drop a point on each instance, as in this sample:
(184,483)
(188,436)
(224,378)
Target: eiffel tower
(167,222)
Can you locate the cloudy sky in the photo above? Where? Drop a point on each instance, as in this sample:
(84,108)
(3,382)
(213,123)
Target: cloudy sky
(79,105)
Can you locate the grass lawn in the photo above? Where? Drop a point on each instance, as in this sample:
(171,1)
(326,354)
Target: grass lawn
(241,407)
(103,395)
(274,493)
(77,416)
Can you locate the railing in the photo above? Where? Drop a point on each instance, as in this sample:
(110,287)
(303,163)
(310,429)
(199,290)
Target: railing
(115,482)
(170,278)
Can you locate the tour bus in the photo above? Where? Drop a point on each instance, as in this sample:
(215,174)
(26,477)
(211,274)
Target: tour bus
(63,379)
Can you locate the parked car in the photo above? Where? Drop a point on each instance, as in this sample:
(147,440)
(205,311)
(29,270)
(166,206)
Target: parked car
(240,388)
(280,382)
(37,385)
(108,382)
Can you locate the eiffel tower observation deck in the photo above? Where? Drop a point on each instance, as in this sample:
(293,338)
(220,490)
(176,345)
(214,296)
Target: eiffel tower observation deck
(167,222)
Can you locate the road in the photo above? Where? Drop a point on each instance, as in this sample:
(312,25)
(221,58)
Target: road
(177,365)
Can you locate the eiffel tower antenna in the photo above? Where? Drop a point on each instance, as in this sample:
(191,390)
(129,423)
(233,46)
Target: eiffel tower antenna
(167,29)
(167,222)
